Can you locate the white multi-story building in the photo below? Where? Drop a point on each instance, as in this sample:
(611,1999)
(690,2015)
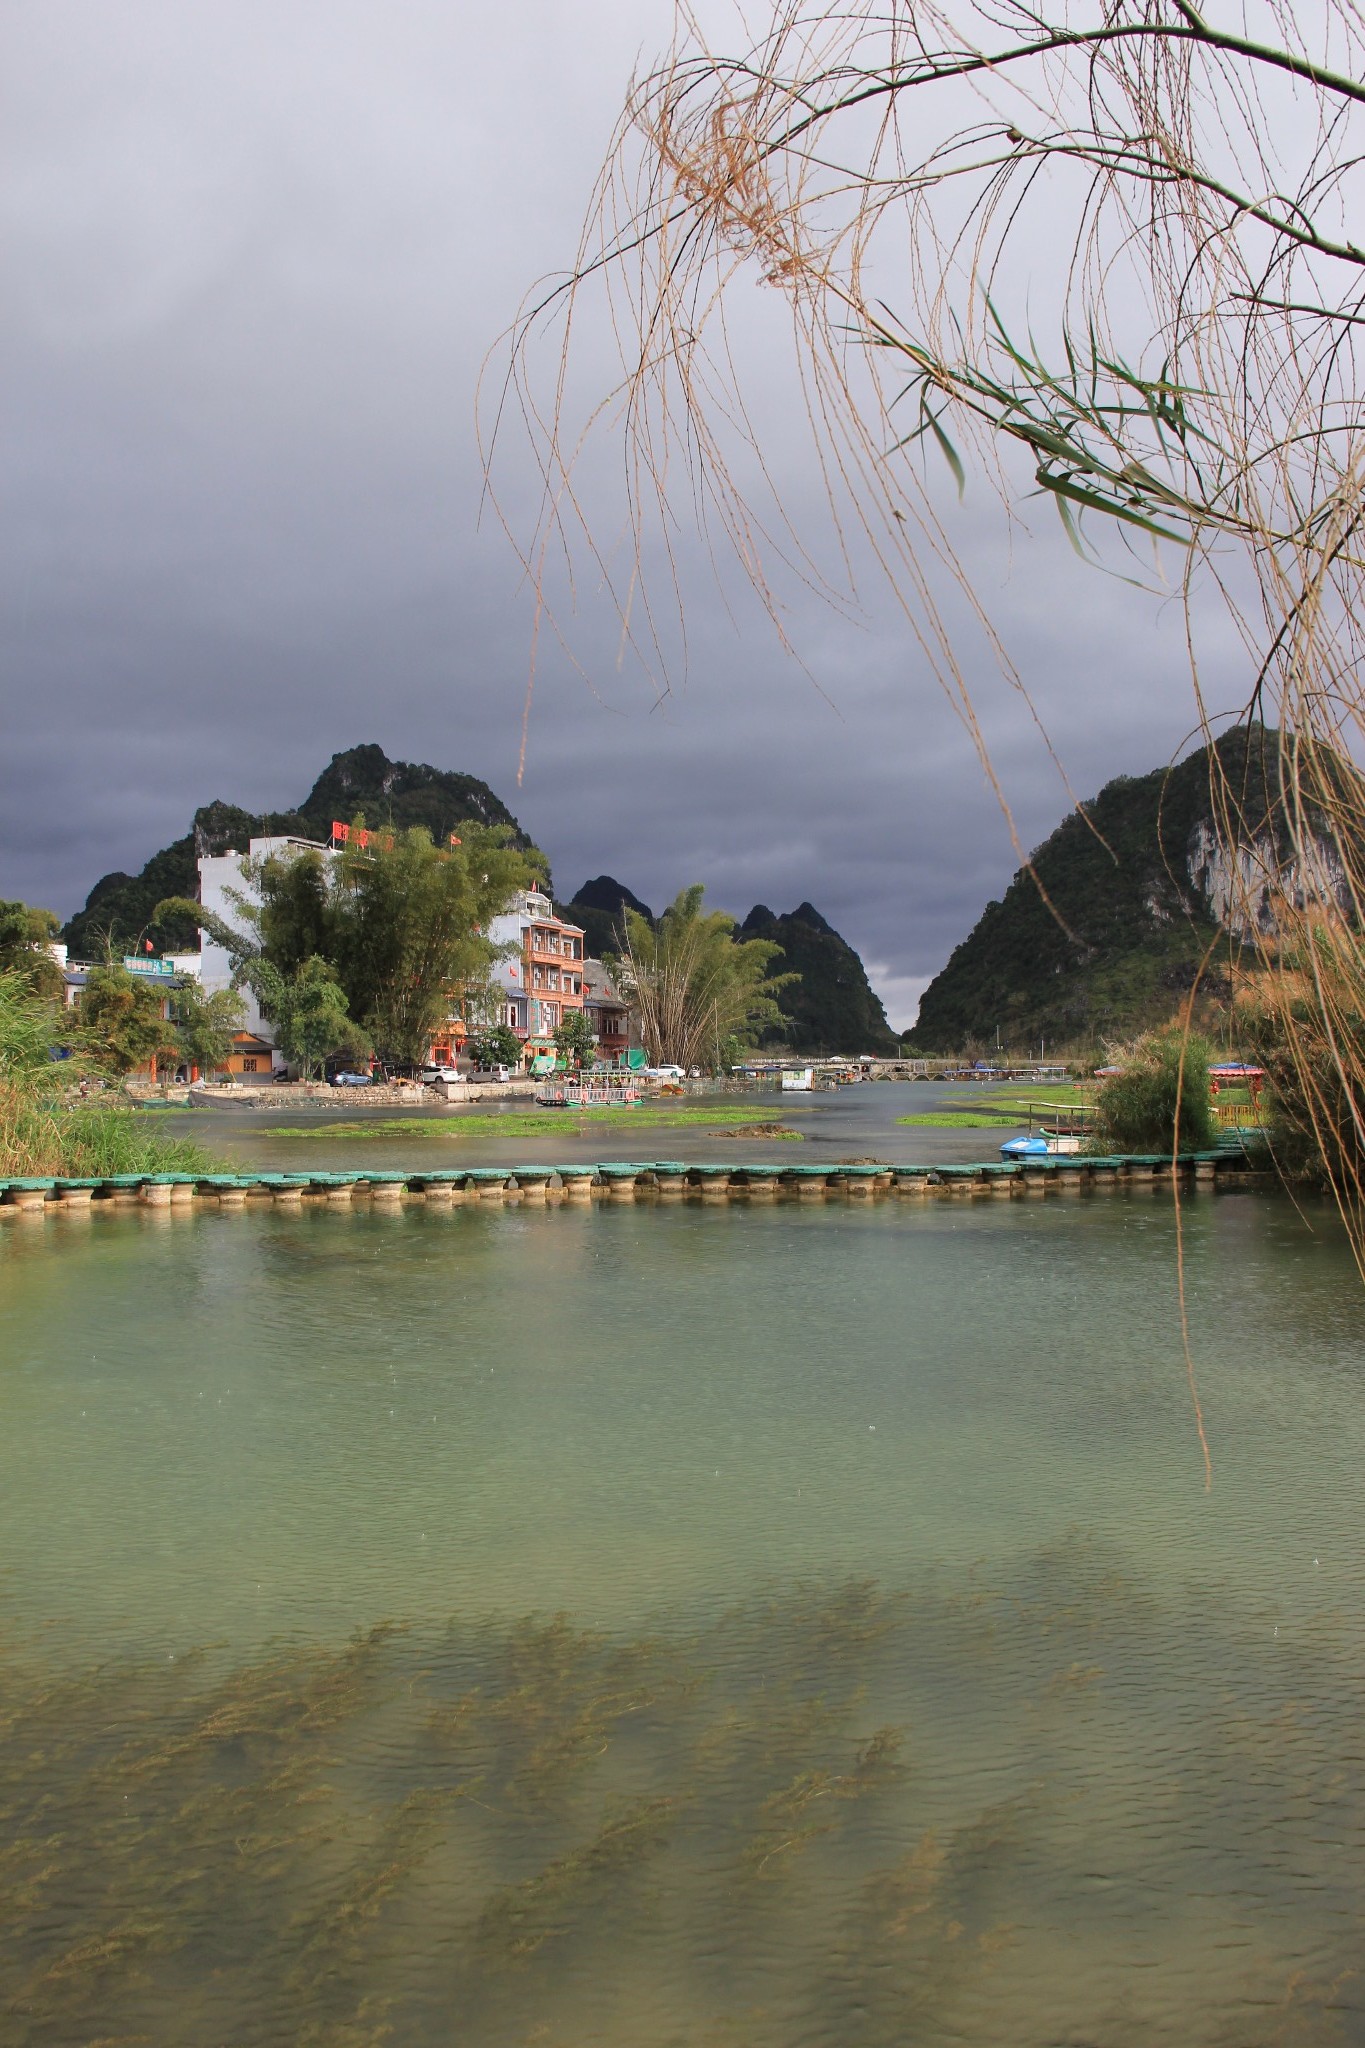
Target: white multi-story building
(224,877)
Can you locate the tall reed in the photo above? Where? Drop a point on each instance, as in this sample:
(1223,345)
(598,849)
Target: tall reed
(46,1126)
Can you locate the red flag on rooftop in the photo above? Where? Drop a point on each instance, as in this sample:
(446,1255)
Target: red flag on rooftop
(340,831)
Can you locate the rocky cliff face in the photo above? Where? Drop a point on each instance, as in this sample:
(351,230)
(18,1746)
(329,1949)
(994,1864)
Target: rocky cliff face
(1145,887)
(1242,887)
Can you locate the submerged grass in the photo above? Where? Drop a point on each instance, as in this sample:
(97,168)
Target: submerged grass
(539,1832)
(536,1123)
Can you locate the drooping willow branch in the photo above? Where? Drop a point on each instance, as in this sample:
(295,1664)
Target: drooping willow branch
(1168,199)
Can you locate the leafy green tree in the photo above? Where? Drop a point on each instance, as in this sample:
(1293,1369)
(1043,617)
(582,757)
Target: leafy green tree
(695,985)
(1160,1096)
(575,1040)
(25,935)
(310,1014)
(496,1046)
(295,921)
(409,928)
(205,1024)
(120,1022)
(401,921)
(45,1127)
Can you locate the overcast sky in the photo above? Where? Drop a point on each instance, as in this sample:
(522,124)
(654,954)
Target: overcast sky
(254,257)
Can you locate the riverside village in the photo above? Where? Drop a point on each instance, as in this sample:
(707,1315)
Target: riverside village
(682,1026)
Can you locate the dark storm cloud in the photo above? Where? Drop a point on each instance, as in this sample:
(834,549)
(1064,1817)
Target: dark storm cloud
(255,258)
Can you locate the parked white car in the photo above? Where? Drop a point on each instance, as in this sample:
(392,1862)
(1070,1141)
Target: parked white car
(665,1073)
(431,1075)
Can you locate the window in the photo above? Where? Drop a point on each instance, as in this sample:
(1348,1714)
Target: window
(248,1064)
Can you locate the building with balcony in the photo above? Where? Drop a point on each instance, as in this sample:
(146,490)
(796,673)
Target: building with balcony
(539,979)
(608,1013)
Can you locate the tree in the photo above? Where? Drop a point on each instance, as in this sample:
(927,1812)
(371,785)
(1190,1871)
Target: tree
(296,916)
(205,1024)
(26,934)
(1103,257)
(311,1017)
(409,928)
(401,922)
(120,1022)
(575,1039)
(695,985)
(1160,1099)
(496,1046)
(1316,1123)
(44,1127)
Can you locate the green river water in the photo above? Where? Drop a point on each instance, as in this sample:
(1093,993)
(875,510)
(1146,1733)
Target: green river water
(682,1627)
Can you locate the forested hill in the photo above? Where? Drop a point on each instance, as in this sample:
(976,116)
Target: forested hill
(599,908)
(363,779)
(831,1008)
(1141,887)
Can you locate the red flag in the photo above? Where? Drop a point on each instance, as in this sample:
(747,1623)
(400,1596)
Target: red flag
(149,946)
(340,831)
(455,839)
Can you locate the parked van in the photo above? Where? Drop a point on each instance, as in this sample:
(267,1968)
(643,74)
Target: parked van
(490,1073)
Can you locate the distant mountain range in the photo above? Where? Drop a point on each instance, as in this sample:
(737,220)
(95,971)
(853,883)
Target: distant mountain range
(364,780)
(1142,890)
(831,1008)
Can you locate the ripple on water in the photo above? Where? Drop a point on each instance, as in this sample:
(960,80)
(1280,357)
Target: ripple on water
(883,1672)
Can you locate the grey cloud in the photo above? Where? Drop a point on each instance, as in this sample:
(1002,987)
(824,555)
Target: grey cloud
(256,259)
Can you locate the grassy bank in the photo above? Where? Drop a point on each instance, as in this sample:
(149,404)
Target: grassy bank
(46,1126)
(50,1136)
(960,1120)
(537,1124)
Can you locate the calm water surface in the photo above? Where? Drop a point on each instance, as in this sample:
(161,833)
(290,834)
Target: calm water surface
(682,1626)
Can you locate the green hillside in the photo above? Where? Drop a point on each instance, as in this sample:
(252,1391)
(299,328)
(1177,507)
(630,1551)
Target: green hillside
(598,908)
(362,780)
(1133,879)
(831,1008)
